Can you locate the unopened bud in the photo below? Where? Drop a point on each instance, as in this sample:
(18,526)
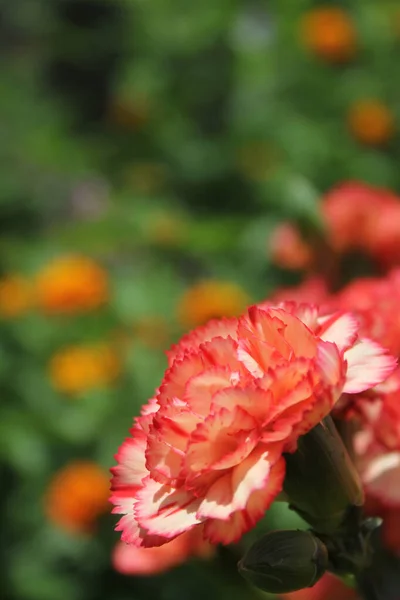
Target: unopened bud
(321,481)
(285,561)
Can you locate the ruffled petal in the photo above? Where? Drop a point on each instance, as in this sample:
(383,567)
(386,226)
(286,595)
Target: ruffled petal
(164,511)
(241,521)
(233,490)
(368,365)
(191,341)
(298,336)
(265,326)
(339,328)
(223,440)
(255,401)
(201,388)
(131,468)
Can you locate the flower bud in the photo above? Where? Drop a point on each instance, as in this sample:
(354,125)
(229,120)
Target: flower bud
(285,561)
(321,481)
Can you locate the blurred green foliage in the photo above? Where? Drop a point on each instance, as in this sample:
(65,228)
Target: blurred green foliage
(166,140)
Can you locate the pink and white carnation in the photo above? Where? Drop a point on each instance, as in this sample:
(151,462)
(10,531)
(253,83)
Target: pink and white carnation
(207,451)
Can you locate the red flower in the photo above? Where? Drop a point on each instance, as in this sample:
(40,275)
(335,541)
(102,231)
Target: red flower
(375,301)
(207,451)
(384,239)
(353,207)
(360,216)
(288,249)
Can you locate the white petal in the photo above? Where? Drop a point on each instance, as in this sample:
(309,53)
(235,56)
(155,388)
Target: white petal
(165,511)
(341,329)
(368,365)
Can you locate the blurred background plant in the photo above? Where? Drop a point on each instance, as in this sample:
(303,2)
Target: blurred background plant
(162,163)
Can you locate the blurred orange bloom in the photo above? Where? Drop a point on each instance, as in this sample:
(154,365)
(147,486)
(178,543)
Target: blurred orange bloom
(130,560)
(371,122)
(287,248)
(71,284)
(210,299)
(76,369)
(329,33)
(327,588)
(15,296)
(77,495)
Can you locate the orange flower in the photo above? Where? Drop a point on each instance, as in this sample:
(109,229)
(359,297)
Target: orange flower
(77,369)
(77,495)
(288,249)
(130,560)
(329,33)
(371,122)
(15,296)
(211,299)
(71,284)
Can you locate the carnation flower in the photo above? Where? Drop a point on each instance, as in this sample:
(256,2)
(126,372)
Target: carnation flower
(288,249)
(374,213)
(375,302)
(353,206)
(130,560)
(384,240)
(207,449)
